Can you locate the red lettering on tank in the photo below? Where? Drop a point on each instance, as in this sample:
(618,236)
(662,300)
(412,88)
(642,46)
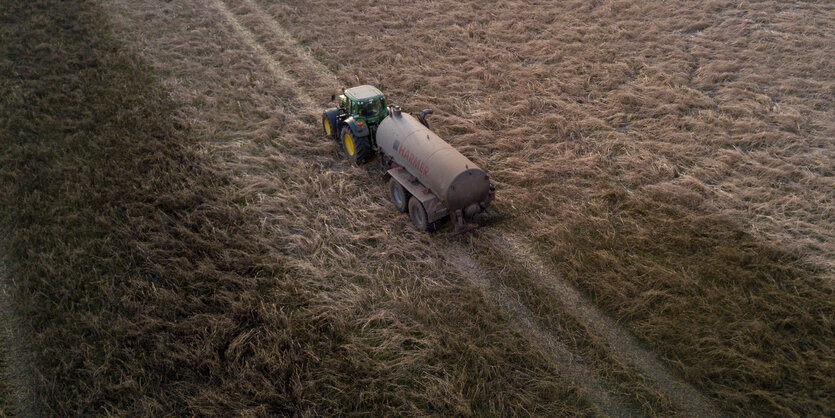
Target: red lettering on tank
(413,160)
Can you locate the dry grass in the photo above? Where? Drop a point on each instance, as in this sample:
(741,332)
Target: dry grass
(183,239)
(132,269)
(7,406)
(402,331)
(672,159)
(151,283)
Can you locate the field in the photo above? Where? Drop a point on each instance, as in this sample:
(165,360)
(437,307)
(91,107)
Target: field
(177,236)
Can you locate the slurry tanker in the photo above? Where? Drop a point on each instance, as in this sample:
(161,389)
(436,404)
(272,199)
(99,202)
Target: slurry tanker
(426,176)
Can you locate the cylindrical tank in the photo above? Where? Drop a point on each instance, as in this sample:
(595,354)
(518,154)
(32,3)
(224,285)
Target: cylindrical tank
(456,180)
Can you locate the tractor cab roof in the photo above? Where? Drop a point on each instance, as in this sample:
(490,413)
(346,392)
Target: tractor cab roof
(360,93)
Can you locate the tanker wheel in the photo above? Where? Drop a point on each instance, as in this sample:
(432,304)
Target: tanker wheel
(399,195)
(418,215)
(357,148)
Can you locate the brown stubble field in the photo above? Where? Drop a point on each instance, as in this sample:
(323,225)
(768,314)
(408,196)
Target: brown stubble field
(661,243)
(673,159)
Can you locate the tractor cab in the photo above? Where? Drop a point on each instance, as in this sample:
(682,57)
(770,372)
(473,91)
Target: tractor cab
(354,121)
(365,104)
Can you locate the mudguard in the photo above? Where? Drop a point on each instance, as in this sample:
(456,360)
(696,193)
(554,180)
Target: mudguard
(332,115)
(435,209)
(357,131)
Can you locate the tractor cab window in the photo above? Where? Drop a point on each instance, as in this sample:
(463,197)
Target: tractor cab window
(371,108)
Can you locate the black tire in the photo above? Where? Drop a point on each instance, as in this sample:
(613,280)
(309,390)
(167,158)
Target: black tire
(357,148)
(399,196)
(418,215)
(329,123)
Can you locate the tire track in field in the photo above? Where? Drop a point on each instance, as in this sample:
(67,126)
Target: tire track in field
(592,386)
(307,104)
(327,77)
(683,395)
(567,364)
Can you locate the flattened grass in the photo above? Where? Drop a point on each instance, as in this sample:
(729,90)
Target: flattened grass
(386,326)
(135,274)
(747,321)
(7,406)
(154,281)
(672,158)
(148,286)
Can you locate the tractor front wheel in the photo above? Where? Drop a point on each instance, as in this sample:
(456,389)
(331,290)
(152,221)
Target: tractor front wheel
(357,148)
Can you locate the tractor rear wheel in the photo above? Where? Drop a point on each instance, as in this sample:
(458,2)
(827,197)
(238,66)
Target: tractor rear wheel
(399,195)
(357,148)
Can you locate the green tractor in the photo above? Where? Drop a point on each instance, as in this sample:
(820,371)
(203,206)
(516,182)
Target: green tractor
(355,119)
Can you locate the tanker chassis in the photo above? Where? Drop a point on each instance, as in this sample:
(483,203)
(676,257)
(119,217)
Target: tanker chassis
(426,176)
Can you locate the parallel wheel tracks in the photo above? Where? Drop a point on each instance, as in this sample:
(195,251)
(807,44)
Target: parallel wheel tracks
(681,394)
